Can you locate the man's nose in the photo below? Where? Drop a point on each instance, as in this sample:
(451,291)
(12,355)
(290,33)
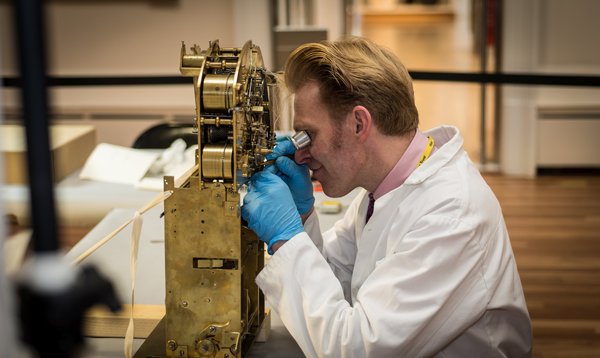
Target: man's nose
(302,156)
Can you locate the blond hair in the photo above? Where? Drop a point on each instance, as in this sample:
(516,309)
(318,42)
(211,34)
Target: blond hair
(356,71)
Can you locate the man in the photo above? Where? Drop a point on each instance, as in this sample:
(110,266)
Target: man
(421,263)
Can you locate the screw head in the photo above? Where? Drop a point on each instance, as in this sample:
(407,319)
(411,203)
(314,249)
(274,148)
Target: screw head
(206,346)
(172,345)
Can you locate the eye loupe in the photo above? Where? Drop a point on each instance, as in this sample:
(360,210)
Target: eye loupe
(300,140)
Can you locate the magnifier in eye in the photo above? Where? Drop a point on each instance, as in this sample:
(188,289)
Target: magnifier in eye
(300,140)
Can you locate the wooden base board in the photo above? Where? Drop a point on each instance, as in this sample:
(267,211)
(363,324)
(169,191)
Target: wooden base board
(100,322)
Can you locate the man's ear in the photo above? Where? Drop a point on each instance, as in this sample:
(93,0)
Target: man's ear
(362,123)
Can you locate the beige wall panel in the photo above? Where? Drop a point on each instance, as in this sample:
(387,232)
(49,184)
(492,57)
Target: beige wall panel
(569,142)
(130,38)
(122,37)
(569,34)
(546,36)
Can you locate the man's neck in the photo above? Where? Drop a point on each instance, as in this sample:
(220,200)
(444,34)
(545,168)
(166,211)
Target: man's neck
(383,154)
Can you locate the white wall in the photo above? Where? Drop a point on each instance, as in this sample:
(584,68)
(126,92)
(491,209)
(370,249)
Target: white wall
(132,38)
(518,113)
(136,38)
(252,21)
(568,43)
(330,14)
(127,37)
(544,36)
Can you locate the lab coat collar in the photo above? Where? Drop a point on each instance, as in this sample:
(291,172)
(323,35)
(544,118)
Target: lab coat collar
(449,144)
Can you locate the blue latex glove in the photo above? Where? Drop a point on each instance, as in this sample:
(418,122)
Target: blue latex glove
(284,146)
(269,209)
(296,176)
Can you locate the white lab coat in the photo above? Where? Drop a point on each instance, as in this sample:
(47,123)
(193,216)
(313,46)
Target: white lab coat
(431,274)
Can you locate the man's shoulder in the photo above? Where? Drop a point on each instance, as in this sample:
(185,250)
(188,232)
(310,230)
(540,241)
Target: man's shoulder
(457,186)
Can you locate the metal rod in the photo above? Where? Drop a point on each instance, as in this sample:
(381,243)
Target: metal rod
(29,21)
(501,78)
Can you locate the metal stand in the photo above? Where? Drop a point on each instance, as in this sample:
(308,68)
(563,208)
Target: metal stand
(53,295)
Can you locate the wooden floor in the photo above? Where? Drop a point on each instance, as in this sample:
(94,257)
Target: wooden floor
(554,225)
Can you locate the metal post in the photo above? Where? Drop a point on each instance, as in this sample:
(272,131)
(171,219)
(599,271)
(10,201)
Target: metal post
(32,57)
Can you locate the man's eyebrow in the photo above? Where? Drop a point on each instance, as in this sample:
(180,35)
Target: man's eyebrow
(304,127)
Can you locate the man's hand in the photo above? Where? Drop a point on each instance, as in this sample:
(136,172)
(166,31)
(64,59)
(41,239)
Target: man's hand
(270,211)
(296,176)
(284,146)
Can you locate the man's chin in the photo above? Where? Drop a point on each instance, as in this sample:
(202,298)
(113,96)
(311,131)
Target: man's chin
(332,192)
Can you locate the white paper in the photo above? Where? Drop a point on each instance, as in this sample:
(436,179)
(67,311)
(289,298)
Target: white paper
(174,161)
(156,182)
(117,164)
(151,183)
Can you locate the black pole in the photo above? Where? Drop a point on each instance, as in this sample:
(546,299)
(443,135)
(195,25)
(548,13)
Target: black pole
(32,61)
(51,317)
